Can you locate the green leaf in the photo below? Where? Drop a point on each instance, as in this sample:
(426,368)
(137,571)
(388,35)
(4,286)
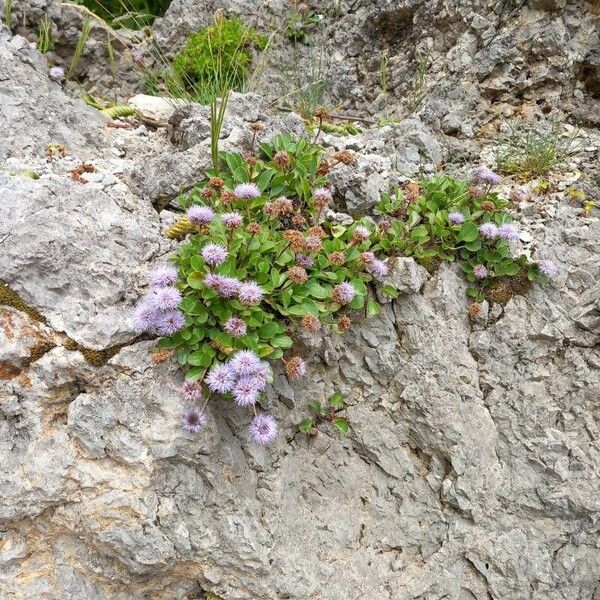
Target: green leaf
(195,373)
(373,308)
(306,425)
(269,330)
(202,357)
(282,341)
(468,232)
(342,424)
(196,280)
(390,290)
(316,406)
(317,291)
(337,400)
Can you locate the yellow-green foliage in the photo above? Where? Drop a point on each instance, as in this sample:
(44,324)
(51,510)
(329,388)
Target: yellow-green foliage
(10,298)
(180,229)
(347,128)
(121,110)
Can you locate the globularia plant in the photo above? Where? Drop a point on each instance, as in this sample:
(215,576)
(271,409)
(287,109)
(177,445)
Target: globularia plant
(261,263)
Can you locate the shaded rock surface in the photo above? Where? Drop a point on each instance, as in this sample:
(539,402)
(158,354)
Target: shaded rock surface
(471,469)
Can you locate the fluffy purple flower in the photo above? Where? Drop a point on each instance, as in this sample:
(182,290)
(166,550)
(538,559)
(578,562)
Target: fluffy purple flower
(232,220)
(304,261)
(166,298)
(548,268)
(145,316)
(456,218)
(212,280)
(245,362)
(488,230)
(235,326)
(245,392)
(323,194)
(191,391)
(56,74)
(162,277)
(343,293)
(170,322)
(214,254)
(485,175)
(220,379)
(480,271)
(250,293)
(193,420)
(377,268)
(262,375)
(246,191)
(361,233)
(201,215)
(228,287)
(508,232)
(263,429)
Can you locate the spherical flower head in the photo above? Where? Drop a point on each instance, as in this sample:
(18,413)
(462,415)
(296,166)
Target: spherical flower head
(232,220)
(508,232)
(250,293)
(191,391)
(166,298)
(263,375)
(170,322)
(323,194)
(313,243)
(377,268)
(245,391)
(295,367)
(360,234)
(367,258)
(228,287)
(456,218)
(488,230)
(548,268)
(304,261)
(214,254)
(337,259)
(163,277)
(201,215)
(145,316)
(212,281)
(56,74)
(263,429)
(193,420)
(487,176)
(235,326)
(297,275)
(480,271)
(344,323)
(220,379)
(343,293)
(310,323)
(244,363)
(246,191)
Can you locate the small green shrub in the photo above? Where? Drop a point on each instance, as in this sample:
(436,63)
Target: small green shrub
(215,58)
(329,412)
(530,152)
(300,23)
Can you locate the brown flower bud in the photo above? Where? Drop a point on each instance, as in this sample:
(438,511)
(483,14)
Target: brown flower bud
(161,356)
(324,168)
(475,309)
(313,243)
(318,231)
(298,219)
(295,367)
(257,126)
(384,226)
(294,237)
(412,192)
(345,156)
(216,182)
(282,159)
(337,259)
(227,196)
(206,193)
(253,228)
(488,206)
(344,323)
(250,159)
(310,323)
(476,192)
(298,275)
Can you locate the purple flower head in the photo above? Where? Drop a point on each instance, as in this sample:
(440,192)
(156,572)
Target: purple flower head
(263,375)
(166,298)
(323,194)
(344,293)
(235,326)
(212,281)
(246,191)
(508,232)
(245,362)
(193,420)
(263,429)
(361,233)
(250,293)
(548,268)
(480,271)
(313,243)
(170,322)
(163,277)
(245,392)
(201,215)
(220,379)
(377,268)
(232,220)
(214,254)
(56,74)
(304,261)
(191,391)
(228,287)
(367,257)
(145,316)
(488,230)
(456,218)
(485,175)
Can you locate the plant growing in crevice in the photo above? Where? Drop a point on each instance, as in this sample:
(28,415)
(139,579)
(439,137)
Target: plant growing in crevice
(45,43)
(300,22)
(83,37)
(261,264)
(422,60)
(330,412)
(7,14)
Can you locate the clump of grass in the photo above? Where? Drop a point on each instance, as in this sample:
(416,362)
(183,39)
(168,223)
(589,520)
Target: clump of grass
(127,13)
(419,80)
(45,43)
(83,37)
(529,152)
(7,16)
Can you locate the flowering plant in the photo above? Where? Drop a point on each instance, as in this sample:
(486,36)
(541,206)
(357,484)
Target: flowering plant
(263,261)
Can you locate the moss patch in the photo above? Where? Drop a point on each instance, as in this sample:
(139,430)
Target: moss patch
(97,358)
(9,297)
(507,287)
